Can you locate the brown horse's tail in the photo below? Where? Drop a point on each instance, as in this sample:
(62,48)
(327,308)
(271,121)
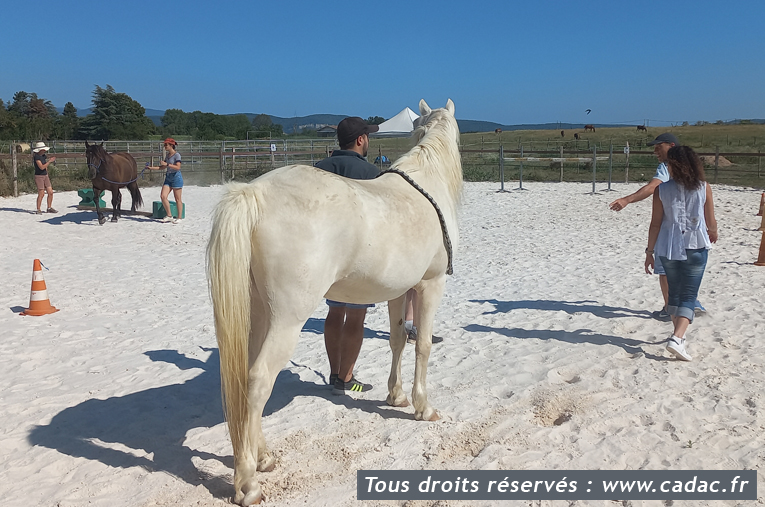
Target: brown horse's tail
(135,193)
(229,256)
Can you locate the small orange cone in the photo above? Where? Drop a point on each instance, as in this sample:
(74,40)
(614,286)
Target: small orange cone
(762,205)
(761,257)
(39,304)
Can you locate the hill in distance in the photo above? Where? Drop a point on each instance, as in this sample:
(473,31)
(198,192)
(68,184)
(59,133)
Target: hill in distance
(317,121)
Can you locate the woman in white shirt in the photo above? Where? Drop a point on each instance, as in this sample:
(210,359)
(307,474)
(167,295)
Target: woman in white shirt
(683,227)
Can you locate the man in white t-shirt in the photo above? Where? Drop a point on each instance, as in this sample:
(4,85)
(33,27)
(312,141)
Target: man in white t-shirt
(661,146)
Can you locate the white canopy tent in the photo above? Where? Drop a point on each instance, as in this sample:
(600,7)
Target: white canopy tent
(400,125)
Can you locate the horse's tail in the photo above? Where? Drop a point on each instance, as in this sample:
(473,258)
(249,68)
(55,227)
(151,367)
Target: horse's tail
(229,254)
(135,193)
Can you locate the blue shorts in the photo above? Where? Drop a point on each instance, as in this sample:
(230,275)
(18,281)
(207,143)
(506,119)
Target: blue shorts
(347,305)
(174,180)
(658,269)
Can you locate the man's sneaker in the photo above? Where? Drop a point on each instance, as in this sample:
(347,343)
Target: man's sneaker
(176,220)
(698,309)
(332,379)
(52,210)
(662,315)
(677,347)
(38,212)
(412,337)
(167,218)
(352,386)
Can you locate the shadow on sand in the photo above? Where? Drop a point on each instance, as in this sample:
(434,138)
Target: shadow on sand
(156,421)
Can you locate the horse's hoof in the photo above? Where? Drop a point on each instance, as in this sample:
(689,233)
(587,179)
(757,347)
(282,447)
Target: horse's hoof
(402,402)
(101,221)
(253,497)
(114,219)
(267,464)
(427,415)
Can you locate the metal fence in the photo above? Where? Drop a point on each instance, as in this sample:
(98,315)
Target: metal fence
(214,162)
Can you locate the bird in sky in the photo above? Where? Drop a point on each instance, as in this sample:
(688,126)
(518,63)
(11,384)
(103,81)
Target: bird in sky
(587,111)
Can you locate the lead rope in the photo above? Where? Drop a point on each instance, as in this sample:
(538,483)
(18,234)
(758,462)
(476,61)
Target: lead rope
(447,241)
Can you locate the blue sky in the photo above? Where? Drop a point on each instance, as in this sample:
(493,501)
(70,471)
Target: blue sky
(503,61)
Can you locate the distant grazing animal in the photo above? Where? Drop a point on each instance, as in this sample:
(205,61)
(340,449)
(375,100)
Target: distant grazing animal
(562,134)
(497,131)
(270,263)
(576,135)
(112,172)
(642,127)
(589,127)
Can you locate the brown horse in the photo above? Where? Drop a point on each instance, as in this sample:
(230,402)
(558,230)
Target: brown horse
(589,127)
(112,172)
(642,127)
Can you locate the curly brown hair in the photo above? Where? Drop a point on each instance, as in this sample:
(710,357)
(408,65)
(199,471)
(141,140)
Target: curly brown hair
(686,167)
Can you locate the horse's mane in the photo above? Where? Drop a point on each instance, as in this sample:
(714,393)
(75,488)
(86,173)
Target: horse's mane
(436,152)
(98,150)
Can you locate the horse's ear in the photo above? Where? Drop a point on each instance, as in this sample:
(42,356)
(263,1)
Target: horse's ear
(450,106)
(86,144)
(102,144)
(424,108)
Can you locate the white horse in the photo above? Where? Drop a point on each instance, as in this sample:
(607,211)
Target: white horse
(298,234)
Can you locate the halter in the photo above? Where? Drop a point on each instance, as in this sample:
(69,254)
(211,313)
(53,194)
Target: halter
(441,220)
(101,161)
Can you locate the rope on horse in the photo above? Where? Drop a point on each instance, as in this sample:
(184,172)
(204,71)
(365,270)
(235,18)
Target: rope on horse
(447,241)
(118,182)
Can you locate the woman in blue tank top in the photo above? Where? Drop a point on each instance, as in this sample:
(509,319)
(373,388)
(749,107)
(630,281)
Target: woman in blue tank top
(683,227)
(173,180)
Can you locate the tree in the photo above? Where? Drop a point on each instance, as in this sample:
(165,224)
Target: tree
(68,124)
(375,120)
(116,116)
(265,127)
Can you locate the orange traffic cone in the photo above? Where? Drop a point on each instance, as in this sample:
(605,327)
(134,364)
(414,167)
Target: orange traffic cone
(762,205)
(761,257)
(39,304)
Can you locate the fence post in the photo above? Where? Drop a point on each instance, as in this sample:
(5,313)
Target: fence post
(14,163)
(594,165)
(521,171)
(717,160)
(627,165)
(222,167)
(501,168)
(759,162)
(610,164)
(561,163)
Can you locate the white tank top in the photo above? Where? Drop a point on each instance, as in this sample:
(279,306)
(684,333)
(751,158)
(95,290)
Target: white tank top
(683,225)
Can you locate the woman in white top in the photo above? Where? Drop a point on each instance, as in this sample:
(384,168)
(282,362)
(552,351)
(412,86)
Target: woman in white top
(683,227)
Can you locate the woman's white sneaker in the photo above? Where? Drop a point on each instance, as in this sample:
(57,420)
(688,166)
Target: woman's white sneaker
(676,346)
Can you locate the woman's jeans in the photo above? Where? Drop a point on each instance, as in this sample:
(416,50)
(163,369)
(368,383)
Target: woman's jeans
(684,279)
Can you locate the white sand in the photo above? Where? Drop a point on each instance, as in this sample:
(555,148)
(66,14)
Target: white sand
(550,359)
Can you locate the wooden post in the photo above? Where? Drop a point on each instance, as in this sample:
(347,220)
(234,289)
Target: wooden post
(233,164)
(561,163)
(521,171)
(594,165)
(717,161)
(759,162)
(14,163)
(222,167)
(627,165)
(501,169)
(610,164)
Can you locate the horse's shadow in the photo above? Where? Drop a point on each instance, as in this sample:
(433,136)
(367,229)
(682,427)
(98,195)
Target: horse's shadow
(152,424)
(570,307)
